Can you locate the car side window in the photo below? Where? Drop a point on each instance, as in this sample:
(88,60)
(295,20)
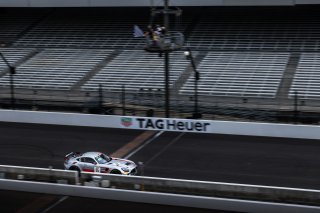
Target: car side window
(90,160)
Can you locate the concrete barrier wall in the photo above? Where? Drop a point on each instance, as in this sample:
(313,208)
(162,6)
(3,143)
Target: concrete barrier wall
(156,198)
(163,185)
(147,3)
(39,174)
(210,189)
(163,124)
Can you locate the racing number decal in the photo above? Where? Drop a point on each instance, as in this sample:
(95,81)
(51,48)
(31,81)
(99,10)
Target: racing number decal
(97,169)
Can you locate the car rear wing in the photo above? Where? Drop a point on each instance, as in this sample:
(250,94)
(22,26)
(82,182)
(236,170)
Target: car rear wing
(71,154)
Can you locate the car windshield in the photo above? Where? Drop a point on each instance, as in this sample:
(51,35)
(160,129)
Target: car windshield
(102,159)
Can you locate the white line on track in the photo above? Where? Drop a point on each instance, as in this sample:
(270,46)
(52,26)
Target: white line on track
(55,204)
(143,145)
(165,148)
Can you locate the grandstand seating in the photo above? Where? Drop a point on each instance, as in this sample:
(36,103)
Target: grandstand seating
(247,50)
(89,28)
(137,69)
(14,56)
(56,68)
(307,78)
(14,22)
(86,28)
(243,29)
(243,74)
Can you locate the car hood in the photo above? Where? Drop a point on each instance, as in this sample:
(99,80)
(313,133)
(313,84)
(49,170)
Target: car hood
(117,162)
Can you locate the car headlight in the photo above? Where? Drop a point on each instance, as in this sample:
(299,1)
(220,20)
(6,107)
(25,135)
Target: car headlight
(125,169)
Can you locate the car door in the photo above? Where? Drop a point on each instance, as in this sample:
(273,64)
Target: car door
(89,164)
(81,163)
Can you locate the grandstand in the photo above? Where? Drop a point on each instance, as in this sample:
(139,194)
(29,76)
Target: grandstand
(15,23)
(247,57)
(237,74)
(137,69)
(257,29)
(56,68)
(85,28)
(307,77)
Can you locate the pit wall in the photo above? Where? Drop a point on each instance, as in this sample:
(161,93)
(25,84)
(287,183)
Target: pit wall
(163,124)
(148,3)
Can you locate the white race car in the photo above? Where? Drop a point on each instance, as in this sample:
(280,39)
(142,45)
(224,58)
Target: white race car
(99,162)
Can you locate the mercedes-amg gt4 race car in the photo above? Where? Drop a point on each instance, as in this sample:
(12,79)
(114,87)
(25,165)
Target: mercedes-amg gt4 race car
(99,162)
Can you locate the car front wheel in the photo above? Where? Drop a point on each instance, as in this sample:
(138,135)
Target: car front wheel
(115,171)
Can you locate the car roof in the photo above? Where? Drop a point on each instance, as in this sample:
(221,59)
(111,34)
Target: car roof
(91,154)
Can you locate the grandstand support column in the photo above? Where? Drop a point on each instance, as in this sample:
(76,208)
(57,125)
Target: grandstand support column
(166,59)
(100,99)
(189,56)
(12,71)
(167,81)
(123,99)
(295,107)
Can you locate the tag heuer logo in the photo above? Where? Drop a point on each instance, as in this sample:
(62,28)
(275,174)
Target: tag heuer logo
(126,122)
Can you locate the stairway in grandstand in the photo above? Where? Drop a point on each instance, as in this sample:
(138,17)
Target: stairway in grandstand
(197,56)
(288,75)
(238,53)
(239,74)
(57,69)
(109,57)
(137,70)
(307,77)
(15,57)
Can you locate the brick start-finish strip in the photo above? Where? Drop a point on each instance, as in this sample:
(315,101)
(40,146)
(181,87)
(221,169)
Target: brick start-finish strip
(140,139)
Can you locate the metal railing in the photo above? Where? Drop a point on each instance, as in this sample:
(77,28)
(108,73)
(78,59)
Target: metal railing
(150,102)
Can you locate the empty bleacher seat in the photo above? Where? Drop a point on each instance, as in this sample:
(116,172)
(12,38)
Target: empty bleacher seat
(56,68)
(307,77)
(14,56)
(136,69)
(244,74)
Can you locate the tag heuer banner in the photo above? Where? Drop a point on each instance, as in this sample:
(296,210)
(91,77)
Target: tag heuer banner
(166,124)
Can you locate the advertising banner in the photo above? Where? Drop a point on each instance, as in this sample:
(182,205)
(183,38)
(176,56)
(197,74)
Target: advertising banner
(165,124)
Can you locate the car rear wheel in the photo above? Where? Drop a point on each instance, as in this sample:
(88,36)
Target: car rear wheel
(74,168)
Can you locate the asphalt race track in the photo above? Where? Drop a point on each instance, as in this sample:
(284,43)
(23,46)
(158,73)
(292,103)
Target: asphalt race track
(221,158)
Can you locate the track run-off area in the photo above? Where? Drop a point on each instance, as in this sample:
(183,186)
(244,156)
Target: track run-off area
(211,157)
(270,161)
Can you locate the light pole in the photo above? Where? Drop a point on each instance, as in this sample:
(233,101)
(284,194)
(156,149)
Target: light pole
(189,56)
(12,71)
(166,62)
(167,43)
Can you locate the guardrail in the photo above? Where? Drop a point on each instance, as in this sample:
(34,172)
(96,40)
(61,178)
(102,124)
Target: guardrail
(205,188)
(164,185)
